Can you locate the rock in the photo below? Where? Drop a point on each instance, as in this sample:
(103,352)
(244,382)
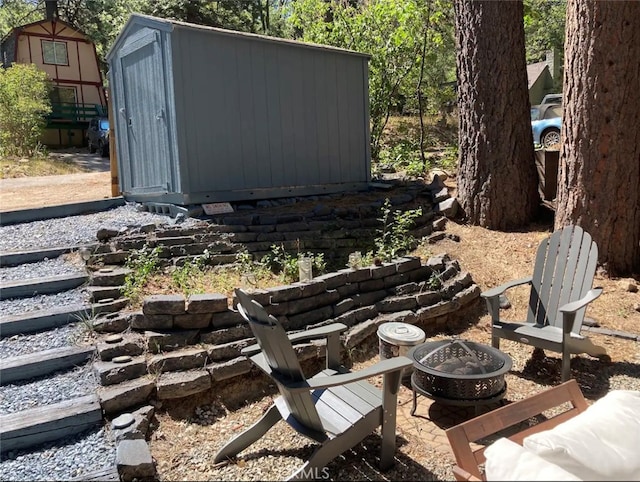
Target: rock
(118,398)
(436,184)
(183,384)
(229,369)
(134,461)
(629,286)
(107,233)
(139,426)
(637,307)
(449,207)
(207,303)
(164,305)
(441,195)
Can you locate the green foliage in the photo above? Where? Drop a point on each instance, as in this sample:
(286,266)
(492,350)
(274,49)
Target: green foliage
(24,100)
(186,277)
(395,238)
(434,282)
(285,264)
(391,31)
(143,263)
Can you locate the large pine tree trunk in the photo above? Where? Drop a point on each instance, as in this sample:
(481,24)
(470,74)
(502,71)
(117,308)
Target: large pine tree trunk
(497,178)
(599,175)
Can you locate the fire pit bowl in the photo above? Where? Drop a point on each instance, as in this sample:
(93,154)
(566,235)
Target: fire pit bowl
(459,372)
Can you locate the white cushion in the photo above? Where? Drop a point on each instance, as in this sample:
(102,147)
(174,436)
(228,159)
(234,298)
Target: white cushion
(601,443)
(506,460)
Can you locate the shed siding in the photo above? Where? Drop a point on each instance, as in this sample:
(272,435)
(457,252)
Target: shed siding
(244,116)
(261,115)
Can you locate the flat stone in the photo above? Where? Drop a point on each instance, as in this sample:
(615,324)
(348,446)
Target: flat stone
(184,359)
(170,341)
(191,321)
(449,207)
(140,426)
(134,460)
(111,373)
(183,384)
(122,421)
(112,322)
(152,322)
(164,305)
(229,369)
(122,359)
(113,339)
(120,397)
(228,350)
(207,303)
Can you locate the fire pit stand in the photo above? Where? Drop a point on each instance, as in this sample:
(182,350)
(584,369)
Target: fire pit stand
(458,372)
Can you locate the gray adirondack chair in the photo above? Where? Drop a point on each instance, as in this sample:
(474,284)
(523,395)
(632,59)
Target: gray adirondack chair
(335,408)
(560,292)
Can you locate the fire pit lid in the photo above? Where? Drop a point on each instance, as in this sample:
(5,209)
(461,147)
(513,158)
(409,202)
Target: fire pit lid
(433,357)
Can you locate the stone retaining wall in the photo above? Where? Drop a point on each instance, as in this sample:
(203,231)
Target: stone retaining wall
(176,346)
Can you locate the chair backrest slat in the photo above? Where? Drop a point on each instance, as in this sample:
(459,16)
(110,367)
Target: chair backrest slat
(564,270)
(560,268)
(281,357)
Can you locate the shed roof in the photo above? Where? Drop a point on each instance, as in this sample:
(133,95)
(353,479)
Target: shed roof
(169,24)
(534,71)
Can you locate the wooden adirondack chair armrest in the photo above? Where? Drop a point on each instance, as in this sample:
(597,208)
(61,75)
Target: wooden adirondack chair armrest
(574,306)
(382,367)
(498,290)
(460,474)
(320,332)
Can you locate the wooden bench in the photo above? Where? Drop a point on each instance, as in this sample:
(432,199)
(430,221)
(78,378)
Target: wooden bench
(461,436)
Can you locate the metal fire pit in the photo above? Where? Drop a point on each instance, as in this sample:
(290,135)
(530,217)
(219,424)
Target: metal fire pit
(458,372)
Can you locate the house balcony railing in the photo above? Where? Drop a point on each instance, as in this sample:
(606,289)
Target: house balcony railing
(73,116)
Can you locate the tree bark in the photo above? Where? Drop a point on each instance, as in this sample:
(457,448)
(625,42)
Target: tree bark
(497,178)
(599,174)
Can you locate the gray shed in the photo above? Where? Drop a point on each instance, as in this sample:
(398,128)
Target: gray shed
(204,115)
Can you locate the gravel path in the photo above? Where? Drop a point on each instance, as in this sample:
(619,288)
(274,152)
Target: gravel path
(84,453)
(41,269)
(16,306)
(74,230)
(46,390)
(24,344)
(62,460)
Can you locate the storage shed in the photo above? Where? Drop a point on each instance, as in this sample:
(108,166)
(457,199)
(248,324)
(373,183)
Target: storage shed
(205,115)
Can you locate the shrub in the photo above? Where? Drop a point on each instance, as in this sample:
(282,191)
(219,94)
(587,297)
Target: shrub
(24,100)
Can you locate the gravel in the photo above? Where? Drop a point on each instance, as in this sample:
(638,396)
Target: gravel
(56,338)
(16,306)
(45,390)
(62,460)
(75,230)
(42,269)
(85,453)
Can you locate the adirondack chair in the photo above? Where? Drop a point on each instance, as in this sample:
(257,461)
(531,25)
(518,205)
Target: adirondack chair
(560,291)
(335,408)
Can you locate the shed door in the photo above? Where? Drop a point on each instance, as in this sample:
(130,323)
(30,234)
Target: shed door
(145,113)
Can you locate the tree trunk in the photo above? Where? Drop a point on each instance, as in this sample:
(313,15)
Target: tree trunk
(497,178)
(599,175)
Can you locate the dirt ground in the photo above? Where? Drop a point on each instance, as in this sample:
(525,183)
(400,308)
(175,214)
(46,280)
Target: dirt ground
(42,191)
(186,435)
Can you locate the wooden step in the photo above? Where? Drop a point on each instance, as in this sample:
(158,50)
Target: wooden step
(42,286)
(24,367)
(52,422)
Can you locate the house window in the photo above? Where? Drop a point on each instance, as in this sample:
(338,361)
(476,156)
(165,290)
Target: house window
(54,52)
(63,95)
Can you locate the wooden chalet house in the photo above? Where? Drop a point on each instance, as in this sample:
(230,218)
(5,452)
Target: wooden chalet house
(69,58)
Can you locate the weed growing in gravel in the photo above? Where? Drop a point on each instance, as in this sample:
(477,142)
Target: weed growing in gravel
(142,263)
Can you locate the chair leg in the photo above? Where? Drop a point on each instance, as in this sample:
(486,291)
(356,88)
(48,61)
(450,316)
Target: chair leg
(249,436)
(315,467)
(566,367)
(495,342)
